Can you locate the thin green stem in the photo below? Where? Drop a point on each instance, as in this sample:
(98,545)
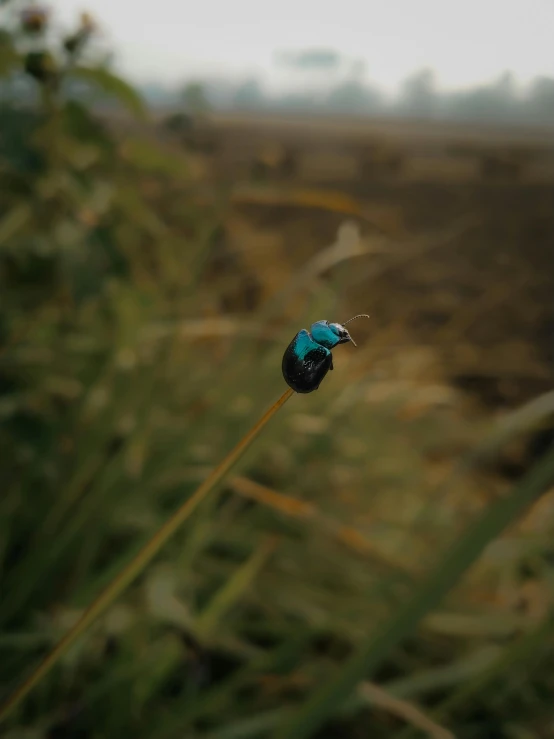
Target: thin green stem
(139,561)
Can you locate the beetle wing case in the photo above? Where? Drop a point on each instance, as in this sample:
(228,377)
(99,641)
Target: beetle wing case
(304,375)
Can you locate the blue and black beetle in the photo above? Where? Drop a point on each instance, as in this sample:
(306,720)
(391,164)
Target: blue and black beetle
(308,357)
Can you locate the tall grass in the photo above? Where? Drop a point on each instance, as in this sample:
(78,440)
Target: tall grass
(124,578)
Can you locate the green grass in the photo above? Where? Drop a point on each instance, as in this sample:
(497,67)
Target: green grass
(223,601)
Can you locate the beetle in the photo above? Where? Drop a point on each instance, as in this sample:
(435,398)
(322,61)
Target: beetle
(308,358)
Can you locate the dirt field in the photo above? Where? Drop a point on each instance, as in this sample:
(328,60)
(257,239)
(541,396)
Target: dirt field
(343,149)
(454,224)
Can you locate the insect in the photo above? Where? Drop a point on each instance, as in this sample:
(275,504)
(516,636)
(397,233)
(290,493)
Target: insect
(308,357)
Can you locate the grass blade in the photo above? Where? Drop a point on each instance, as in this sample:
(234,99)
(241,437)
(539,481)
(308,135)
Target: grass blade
(408,712)
(232,590)
(463,554)
(139,562)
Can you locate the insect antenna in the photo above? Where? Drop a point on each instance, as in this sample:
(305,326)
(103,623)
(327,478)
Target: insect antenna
(360,315)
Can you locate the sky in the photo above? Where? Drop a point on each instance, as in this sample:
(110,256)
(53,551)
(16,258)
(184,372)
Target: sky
(466,43)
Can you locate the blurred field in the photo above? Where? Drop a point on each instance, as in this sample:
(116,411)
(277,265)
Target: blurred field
(377,149)
(460,230)
(152,275)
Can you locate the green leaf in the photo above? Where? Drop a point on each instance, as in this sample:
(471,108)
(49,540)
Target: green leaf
(112,86)
(9,58)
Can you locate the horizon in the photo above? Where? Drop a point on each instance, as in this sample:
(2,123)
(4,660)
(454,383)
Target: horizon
(165,43)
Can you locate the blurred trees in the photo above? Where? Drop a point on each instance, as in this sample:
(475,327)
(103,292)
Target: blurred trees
(354,96)
(194,99)
(541,99)
(323,81)
(249,95)
(497,101)
(418,95)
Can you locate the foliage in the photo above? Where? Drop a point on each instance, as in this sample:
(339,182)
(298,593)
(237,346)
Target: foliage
(195,99)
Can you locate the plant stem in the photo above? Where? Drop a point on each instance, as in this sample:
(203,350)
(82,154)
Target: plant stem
(139,562)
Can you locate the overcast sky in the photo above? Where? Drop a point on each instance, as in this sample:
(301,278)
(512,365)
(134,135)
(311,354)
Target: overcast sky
(466,42)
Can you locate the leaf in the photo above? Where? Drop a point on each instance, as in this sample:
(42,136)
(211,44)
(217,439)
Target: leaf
(112,86)
(9,58)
